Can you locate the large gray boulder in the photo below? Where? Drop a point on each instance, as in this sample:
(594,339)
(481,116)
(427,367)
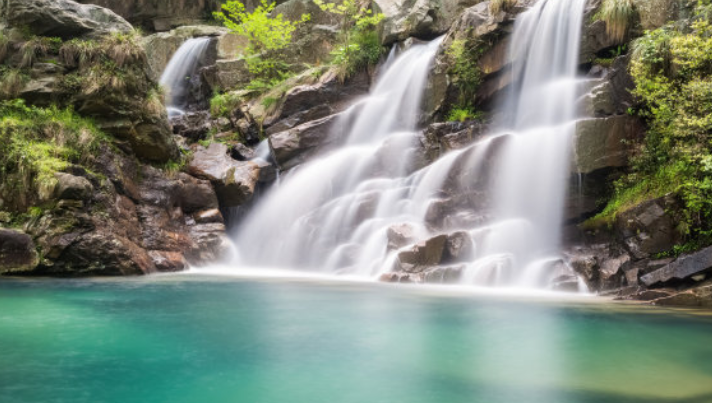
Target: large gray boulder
(234,181)
(604,143)
(292,147)
(682,268)
(418,18)
(63,18)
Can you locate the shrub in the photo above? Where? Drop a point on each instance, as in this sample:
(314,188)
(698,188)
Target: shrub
(267,34)
(37,47)
(4,47)
(460,114)
(223,105)
(359,45)
(671,68)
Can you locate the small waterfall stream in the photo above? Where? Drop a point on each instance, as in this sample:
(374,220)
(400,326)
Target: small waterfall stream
(175,77)
(333,213)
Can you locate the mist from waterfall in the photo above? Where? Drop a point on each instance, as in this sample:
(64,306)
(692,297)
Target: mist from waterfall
(333,213)
(176,76)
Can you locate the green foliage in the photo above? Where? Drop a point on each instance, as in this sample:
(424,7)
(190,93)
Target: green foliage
(466,75)
(460,114)
(618,15)
(359,45)
(223,105)
(672,70)
(267,34)
(269,101)
(37,142)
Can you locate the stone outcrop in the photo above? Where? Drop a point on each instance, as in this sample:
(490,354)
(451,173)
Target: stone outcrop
(694,264)
(234,181)
(63,18)
(423,19)
(17,252)
(604,142)
(294,146)
(161,15)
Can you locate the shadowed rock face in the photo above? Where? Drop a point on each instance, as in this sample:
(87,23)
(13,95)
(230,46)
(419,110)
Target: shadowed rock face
(62,18)
(17,252)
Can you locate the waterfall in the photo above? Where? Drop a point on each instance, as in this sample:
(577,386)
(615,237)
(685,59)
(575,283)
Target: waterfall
(333,213)
(528,188)
(181,67)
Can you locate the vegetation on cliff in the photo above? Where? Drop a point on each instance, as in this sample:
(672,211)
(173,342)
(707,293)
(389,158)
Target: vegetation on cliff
(671,67)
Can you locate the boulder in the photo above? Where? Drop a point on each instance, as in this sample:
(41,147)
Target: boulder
(400,235)
(162,15)
(72,187)
(603,143)
(196,195)
(421,256)
(292,147)
(17,252)
(656,13)
(647,229)
(226,75)
(418,18)
(459,247)
(681,268)
(234,181)
(63,18)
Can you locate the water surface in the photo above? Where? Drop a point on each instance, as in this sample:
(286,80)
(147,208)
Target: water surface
(209,339)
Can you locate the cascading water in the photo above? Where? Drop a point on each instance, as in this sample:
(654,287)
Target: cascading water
(529,186)
(176,76)
(333,213)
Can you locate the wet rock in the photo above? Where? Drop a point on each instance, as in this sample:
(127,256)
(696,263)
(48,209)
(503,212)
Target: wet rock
(402,278)
(459,247)
(292,147)
(422,256)
(234,181)
(439,138)
(444,275)
(682,268)
(400,235)
(168,261)
(17,252)
(699,297)
(603,143)
(72,187)
(210,244)
(63,18)
(194,125)
(196,195)
(309,101)
(162,46)
(209,216)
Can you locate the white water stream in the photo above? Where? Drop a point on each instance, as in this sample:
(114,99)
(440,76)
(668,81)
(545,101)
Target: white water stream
(176,76)
(332,214)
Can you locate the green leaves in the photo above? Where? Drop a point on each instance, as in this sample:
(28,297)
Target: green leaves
(267,34)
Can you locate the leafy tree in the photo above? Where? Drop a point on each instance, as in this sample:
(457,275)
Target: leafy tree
(359,45)
(266,33)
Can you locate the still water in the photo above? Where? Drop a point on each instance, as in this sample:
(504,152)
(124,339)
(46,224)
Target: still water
(198,338)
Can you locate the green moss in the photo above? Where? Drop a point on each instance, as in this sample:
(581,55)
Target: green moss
(11,82)
(37,142)
(223,105)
